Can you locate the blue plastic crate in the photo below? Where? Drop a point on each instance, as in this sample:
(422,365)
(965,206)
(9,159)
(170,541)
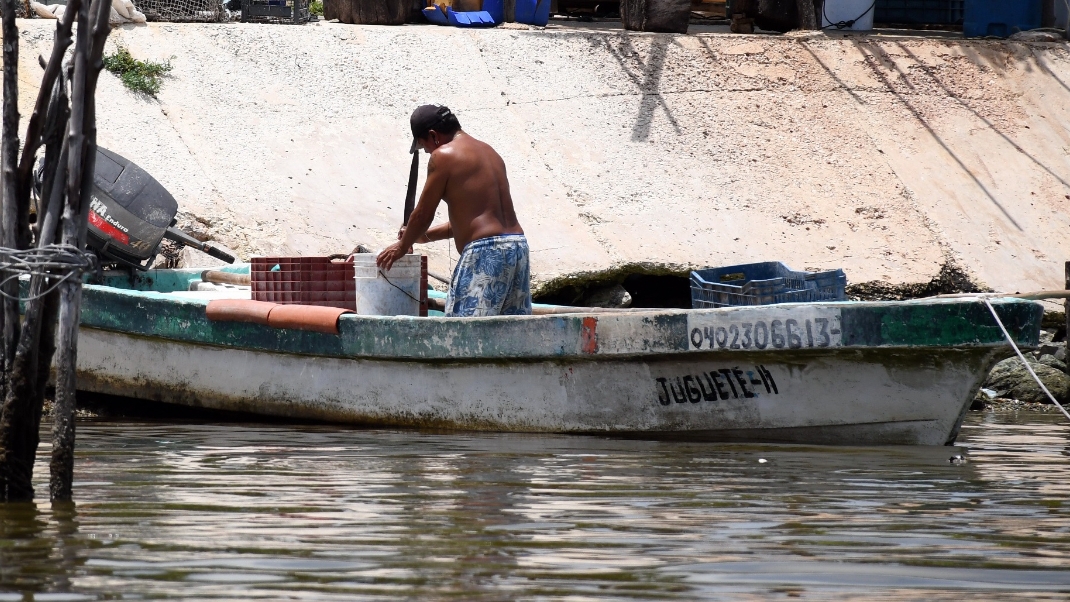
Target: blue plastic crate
(764,283)
(1000,18)
(918,12)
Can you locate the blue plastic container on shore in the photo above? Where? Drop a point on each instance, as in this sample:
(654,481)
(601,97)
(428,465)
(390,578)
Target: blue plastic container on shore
(764,283)
(999,18)
(533,12)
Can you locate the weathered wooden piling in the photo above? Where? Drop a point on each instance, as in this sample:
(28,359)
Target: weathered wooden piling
(82,139)
(16,440)
(67,130)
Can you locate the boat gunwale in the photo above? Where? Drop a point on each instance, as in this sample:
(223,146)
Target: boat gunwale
(654,334)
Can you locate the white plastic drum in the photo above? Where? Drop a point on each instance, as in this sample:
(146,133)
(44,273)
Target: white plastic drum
(392,293)
(835,14)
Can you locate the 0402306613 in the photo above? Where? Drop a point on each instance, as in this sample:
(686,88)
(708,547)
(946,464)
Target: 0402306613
(765,328)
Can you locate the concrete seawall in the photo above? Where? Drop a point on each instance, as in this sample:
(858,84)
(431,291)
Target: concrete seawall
(882,155)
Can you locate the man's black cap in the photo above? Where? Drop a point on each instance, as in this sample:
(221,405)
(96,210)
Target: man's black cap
(424,119)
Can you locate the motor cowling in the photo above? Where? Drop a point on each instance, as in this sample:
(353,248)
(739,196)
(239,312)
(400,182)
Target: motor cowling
(129,211)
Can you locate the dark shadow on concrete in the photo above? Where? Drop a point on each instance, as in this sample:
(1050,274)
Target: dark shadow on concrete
(1047,71)
(648,80)
(992,126)
(833,75)
(917,115)
(875,53)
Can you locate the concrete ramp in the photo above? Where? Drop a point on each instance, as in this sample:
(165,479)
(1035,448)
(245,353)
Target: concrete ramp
(886,156)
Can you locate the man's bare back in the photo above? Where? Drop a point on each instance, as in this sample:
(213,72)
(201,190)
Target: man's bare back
(492,276)
(476,189)
(470,176)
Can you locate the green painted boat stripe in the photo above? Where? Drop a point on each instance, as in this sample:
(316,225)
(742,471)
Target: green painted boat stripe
(939,324)
(160,316)
(915,324)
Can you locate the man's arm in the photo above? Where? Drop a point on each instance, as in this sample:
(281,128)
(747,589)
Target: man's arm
(439,232)
(422,215)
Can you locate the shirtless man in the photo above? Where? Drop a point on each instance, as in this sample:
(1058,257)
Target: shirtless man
(492,276)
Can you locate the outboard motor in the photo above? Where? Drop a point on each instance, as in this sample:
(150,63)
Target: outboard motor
(130,214)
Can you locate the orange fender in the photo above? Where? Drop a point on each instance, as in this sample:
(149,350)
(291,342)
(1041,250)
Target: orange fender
(307,317)
(239,310)
(297,317)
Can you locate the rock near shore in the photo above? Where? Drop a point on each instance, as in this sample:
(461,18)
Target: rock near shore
(1010,379)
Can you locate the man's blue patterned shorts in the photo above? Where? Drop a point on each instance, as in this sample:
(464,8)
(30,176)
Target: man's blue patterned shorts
(492,278)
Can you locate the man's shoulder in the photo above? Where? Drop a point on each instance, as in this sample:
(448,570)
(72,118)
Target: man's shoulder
(456,154)
(441,158)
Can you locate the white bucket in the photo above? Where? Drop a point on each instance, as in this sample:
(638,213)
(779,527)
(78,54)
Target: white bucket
(859,11)
(397,292)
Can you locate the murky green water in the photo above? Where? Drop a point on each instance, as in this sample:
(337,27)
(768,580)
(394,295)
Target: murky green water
(240,512)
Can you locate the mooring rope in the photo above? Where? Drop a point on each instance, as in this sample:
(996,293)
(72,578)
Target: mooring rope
(56,263)
(1022,357)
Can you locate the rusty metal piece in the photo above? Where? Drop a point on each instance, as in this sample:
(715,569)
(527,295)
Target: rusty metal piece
(239,310)
(589,335)
(306,317)
(217,277)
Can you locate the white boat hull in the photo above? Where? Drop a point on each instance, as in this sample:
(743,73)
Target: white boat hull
(849,396)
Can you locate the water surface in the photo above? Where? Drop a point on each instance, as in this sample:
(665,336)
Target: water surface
(246,512)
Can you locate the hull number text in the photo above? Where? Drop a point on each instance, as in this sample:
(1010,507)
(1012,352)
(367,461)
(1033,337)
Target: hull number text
(799,328)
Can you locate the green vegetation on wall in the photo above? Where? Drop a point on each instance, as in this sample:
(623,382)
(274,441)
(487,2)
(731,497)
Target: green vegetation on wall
(142,77)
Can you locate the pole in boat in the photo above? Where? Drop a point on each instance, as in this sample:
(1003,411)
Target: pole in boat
(410,191)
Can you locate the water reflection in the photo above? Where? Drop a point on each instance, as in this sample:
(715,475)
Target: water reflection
(40,552)
(254,511)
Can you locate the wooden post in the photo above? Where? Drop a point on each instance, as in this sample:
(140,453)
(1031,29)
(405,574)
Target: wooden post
(25,353)
(1066,309)
(671,16)
(81,160)
(17,445)
(807,15)
(35,125)
(24,395)
(372,12)
(9,150)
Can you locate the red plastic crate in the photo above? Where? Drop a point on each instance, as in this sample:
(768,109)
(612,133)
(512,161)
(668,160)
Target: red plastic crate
(313,281)
(304,281)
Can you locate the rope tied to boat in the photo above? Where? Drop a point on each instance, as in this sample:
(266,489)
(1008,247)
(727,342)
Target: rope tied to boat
(56,264)
(1022,357)
(407,294)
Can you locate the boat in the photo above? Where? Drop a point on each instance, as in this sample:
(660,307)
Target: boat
(857,373)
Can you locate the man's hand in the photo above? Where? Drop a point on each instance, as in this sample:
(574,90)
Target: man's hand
(389,255)
(422,240)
